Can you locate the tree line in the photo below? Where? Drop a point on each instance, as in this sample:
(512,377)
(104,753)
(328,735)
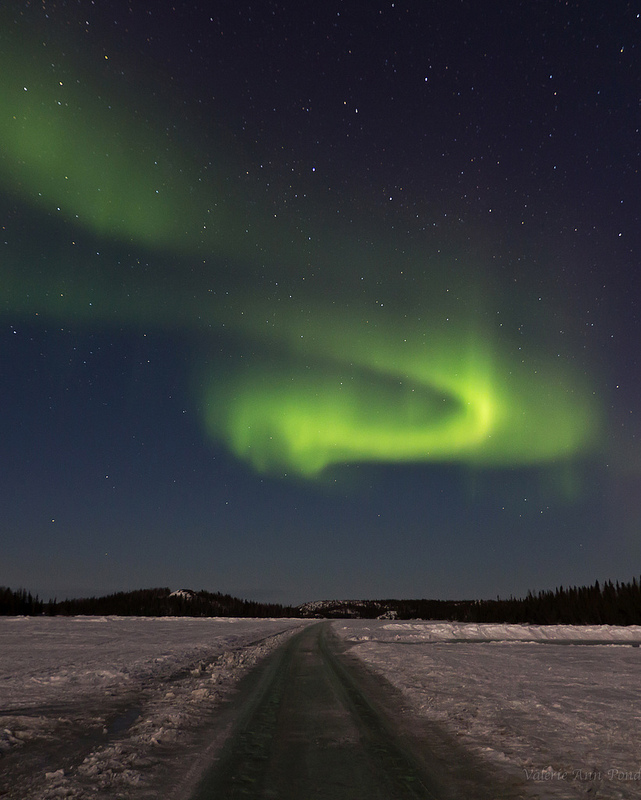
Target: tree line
(159,602)
(600,604)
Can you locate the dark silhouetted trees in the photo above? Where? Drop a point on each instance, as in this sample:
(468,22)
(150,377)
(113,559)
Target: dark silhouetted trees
(600,604)
(143,603)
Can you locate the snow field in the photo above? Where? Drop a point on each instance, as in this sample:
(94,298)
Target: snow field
(542,699)
(108,707)
(99,706)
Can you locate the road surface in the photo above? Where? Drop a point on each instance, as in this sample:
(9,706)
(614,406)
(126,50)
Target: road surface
(316,724)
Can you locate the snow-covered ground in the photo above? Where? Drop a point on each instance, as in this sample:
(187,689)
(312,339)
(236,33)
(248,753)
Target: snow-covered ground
(95,706)
(560,703)
(109,707)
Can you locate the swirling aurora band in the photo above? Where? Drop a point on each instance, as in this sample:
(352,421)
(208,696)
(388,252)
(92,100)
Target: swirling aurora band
(351,392)
(325,387)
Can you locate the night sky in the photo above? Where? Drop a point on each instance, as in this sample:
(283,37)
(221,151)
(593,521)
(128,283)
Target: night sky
(307,300)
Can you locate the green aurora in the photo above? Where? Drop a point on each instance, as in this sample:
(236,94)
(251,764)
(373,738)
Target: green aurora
(329,374)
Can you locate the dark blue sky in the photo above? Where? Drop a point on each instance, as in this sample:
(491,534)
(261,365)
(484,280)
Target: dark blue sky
(340,178)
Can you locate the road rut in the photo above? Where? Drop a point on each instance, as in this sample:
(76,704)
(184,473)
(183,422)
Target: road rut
(318,725)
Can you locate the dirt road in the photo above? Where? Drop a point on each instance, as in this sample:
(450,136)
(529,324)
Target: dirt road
(315,724)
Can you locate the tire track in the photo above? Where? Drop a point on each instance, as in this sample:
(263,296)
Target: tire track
(318,726)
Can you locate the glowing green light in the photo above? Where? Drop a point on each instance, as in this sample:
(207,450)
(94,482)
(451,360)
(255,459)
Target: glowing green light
(72,145)
(335,385)
(370,395)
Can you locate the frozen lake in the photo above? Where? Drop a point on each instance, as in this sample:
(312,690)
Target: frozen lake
(99,706)
(560,702)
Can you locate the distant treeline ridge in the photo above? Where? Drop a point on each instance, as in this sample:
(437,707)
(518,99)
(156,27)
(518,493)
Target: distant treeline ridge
(600,604)
(141,603)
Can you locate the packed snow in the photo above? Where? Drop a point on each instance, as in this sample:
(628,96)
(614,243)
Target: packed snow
(98,706)
(561,704)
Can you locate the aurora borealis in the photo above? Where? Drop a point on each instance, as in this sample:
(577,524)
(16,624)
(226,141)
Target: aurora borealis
(390,394)
(340,308)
